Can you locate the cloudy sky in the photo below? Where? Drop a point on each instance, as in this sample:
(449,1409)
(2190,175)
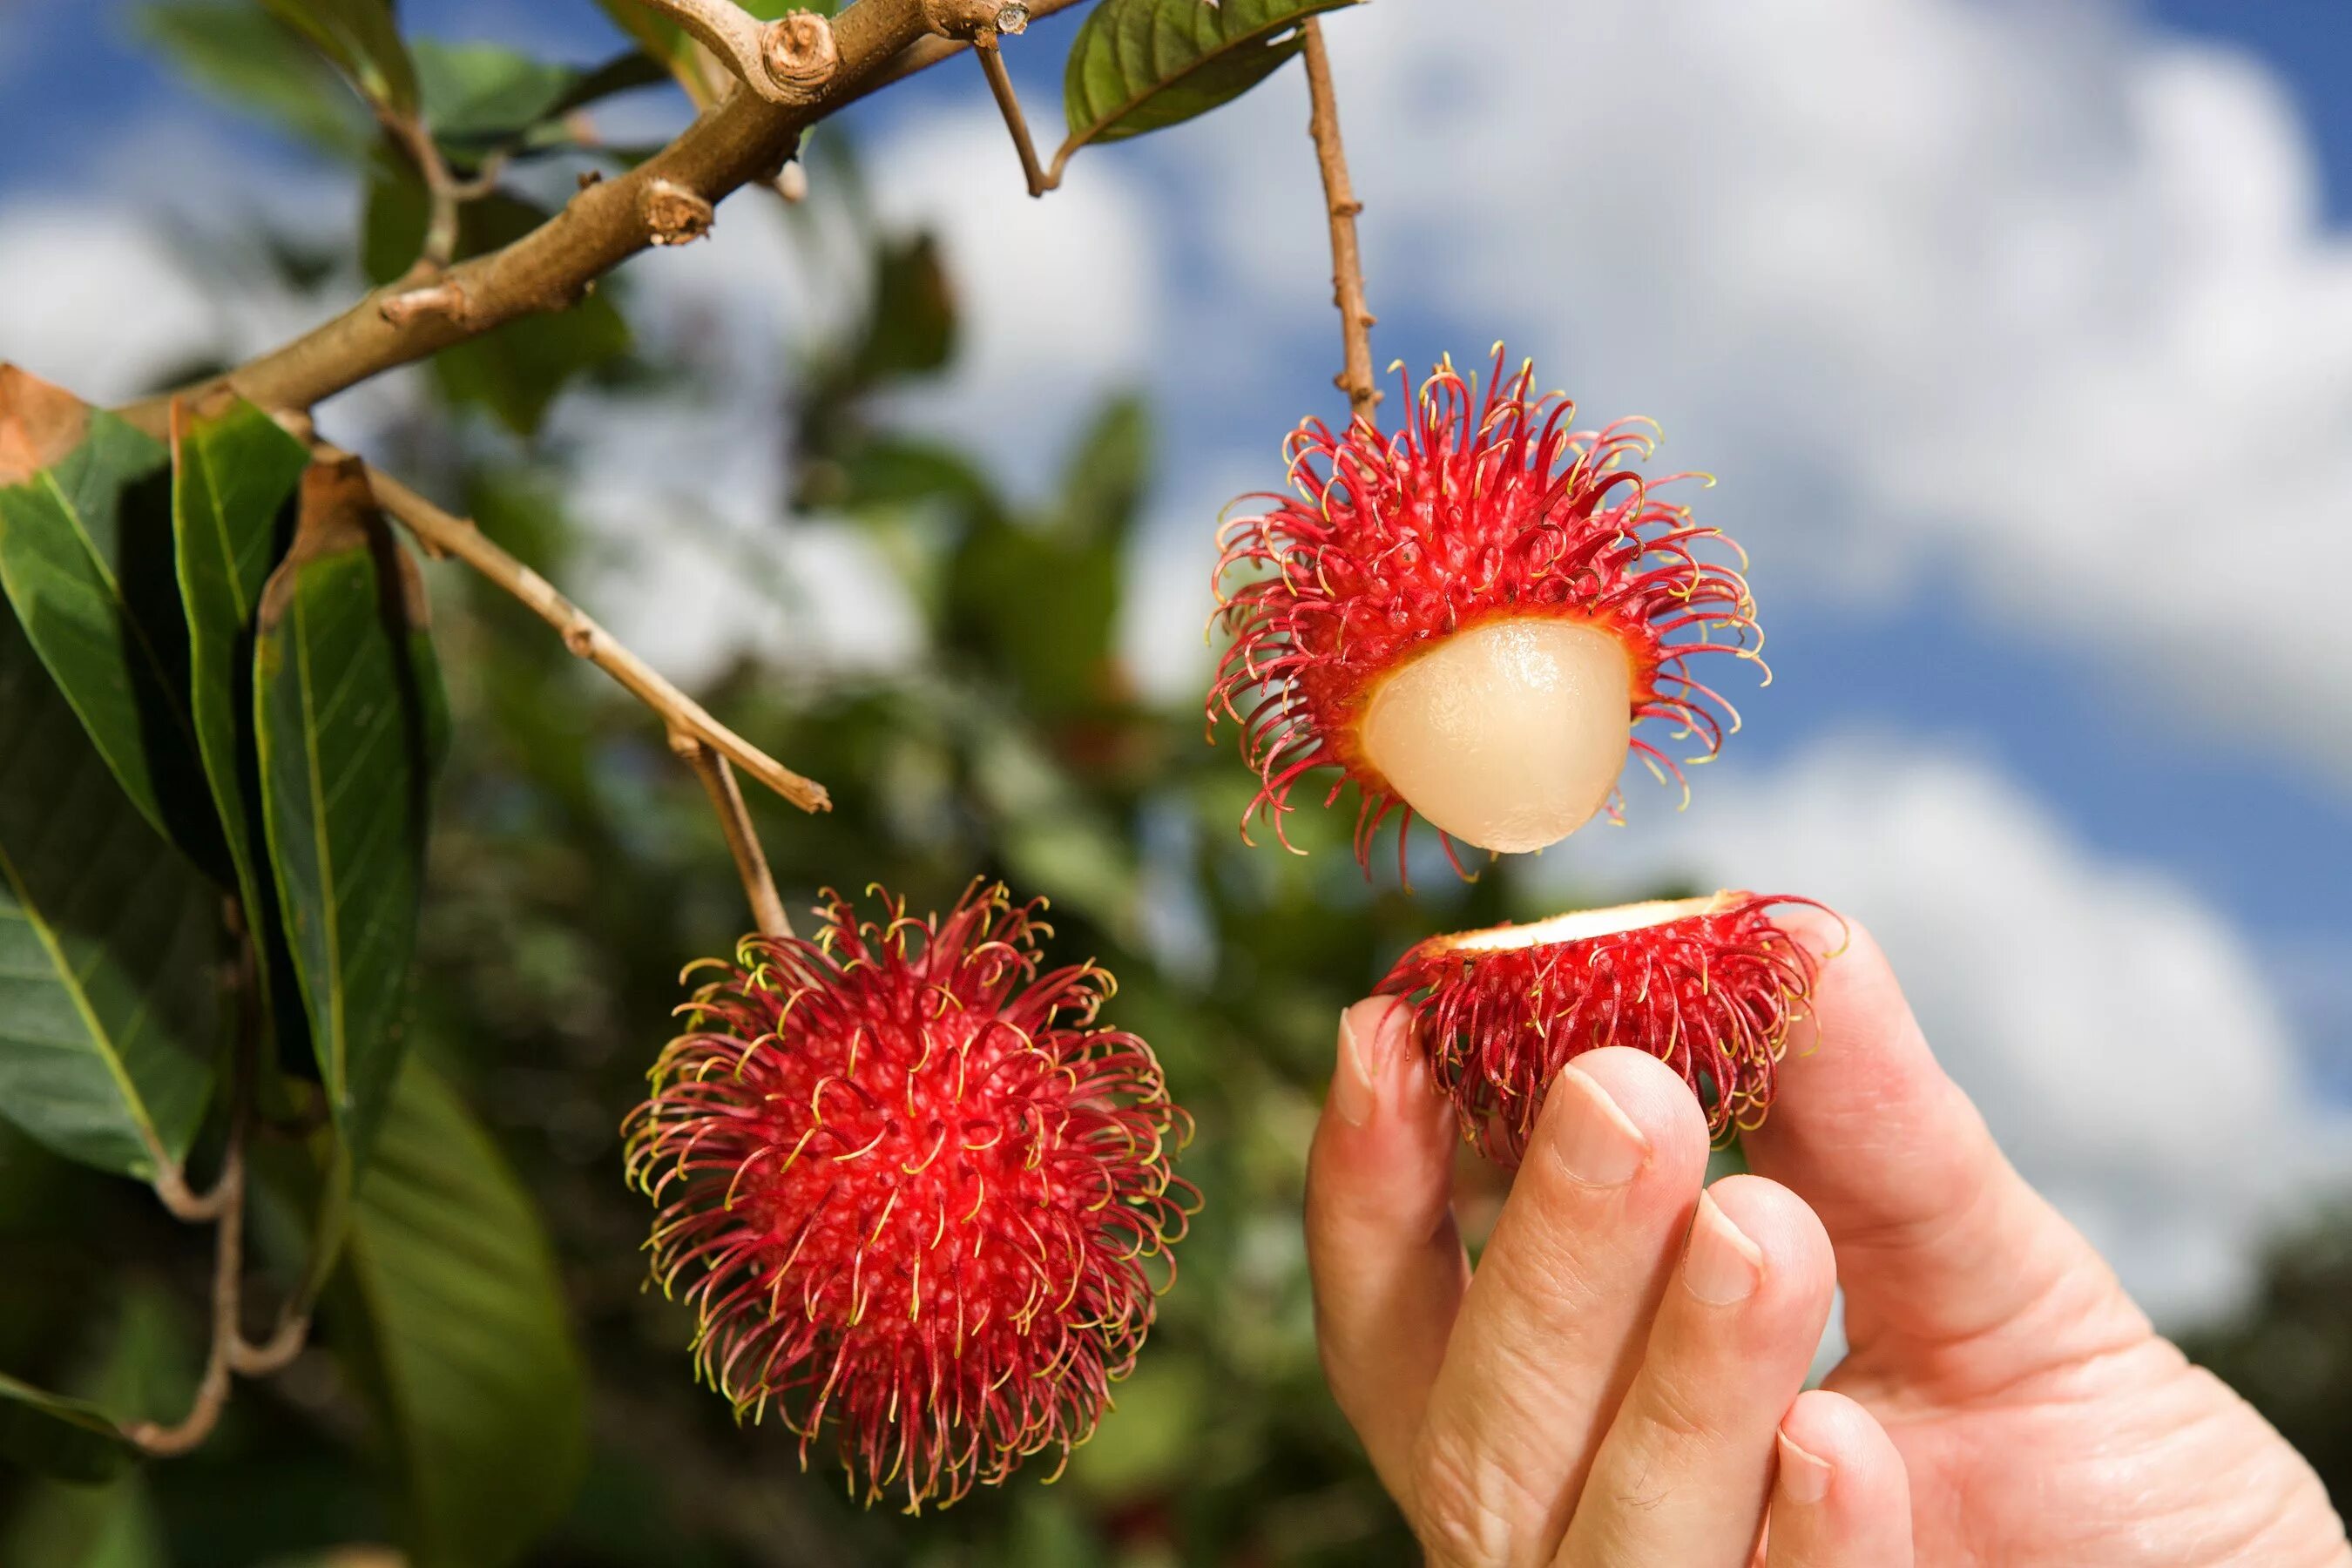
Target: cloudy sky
(2019,336)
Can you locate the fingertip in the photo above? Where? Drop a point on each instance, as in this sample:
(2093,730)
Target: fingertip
(1798,1258)
(1840,1493)
(1649,1095)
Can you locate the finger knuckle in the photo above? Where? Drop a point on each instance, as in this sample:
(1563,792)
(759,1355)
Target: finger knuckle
(1456,1508)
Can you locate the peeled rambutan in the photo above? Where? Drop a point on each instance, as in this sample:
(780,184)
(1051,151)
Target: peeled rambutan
(1707,986)
(1469,617)
(909,1186)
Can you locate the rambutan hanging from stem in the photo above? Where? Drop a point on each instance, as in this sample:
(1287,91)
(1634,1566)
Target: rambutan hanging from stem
(908,1186)
(1468,618)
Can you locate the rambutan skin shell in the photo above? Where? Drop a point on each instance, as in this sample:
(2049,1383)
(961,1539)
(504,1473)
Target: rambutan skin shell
(1476,509)
(1713,995)
(909,1187)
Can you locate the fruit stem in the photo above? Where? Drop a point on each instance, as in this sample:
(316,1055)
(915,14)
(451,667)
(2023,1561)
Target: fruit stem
(735,823)
(1356,317)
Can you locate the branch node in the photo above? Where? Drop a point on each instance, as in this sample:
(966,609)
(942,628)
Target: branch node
(968,19)
(445,299)
(675,213)
(799,54)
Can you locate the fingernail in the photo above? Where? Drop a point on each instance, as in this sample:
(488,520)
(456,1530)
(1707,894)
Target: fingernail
(1596,1142)
(1354,1080)
(1804,1477)
(1721,1266)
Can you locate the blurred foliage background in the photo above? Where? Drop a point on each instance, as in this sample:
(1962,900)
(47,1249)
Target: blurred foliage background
(575,867)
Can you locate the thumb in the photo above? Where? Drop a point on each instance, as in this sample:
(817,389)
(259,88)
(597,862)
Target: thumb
(1944,1251)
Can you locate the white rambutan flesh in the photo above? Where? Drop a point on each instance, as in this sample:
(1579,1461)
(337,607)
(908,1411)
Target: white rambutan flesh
(1508,734)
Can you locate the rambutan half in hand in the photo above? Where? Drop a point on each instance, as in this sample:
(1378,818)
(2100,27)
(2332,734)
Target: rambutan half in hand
(1709,986)
(909,1186)
(1470,617)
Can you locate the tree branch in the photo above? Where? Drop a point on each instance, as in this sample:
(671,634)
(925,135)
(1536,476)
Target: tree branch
(735,823)
(444,534)
(1356,318)
(743,139)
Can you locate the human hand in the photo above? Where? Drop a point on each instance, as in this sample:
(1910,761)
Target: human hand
(1618,1381)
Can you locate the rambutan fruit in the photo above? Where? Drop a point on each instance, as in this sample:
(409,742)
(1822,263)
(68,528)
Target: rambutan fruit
(1469,617)
(911,1187)
(1707,986)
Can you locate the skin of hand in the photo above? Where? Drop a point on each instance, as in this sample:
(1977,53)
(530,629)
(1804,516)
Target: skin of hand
(1618,1381)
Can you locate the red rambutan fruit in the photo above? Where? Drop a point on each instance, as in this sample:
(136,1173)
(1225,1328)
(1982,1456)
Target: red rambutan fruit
(908,1185)
(1708,985)
(1469,618)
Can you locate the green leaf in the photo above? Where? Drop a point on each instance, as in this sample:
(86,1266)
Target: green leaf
(911,326)
(363,39)
(1042,602)
(71,1438)
(109,1011)
(234,477)
(351,724)
(452,1319)
(86,558)
(101,1516)
(516,370)
(1141,65)
(252,62)
(480,98)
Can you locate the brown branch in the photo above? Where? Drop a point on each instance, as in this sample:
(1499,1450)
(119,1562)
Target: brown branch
(735,823)
(1000,82)
(1356,318)
(445,534)
(743,139)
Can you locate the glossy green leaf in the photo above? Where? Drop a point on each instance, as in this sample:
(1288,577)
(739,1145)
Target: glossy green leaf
(363,39)
(253,63)
(450,1314)
(234,477)
(86,558)
(351,724)
(109,1011)
(1141,65)
(516,370)
(69,1438)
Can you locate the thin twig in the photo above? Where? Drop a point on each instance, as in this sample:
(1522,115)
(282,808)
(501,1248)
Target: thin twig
(1356,317)
(443,534)
(1000,82)
(735,825)
(229,1352)
(444,192)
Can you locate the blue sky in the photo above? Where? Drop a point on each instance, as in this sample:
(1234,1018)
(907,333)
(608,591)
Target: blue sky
(2006,588)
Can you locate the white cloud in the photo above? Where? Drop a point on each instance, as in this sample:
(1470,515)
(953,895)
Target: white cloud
(2017,285)
(2119,1035)
(1058,297)
(94,300)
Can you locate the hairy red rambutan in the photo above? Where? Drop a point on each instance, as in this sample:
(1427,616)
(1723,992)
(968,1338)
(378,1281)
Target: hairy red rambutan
(1707,986)
(912,1187)
(1469,616)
